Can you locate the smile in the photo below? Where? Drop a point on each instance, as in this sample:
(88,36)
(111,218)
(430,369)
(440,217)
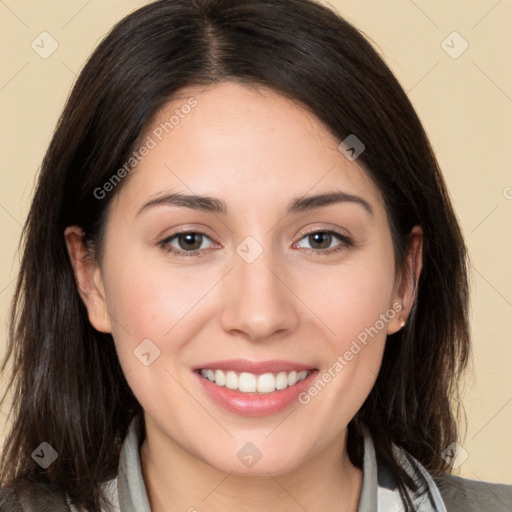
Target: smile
(246,382)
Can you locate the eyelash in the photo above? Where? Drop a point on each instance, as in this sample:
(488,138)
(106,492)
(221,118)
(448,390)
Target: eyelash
(345,243)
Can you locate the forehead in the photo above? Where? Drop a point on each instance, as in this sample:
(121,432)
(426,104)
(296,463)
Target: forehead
(245,144)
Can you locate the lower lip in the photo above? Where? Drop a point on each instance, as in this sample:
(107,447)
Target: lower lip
(255,404)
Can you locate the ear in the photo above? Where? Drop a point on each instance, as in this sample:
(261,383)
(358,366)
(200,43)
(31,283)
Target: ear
(404,291)
(88,278)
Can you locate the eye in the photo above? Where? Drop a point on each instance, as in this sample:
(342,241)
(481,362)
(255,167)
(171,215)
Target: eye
(190,243)
(322,241)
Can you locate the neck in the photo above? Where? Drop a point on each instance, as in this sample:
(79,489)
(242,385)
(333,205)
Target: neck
(327,482)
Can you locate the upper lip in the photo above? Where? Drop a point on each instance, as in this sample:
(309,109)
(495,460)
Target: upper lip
(246,365)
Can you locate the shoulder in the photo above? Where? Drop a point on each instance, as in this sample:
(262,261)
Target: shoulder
(9,501)
(464,494)
(32,496)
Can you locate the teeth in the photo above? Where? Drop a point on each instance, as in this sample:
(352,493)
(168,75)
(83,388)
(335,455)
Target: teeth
(281,380)
(247,382)
(220,378)
(231,380)
(250,383)
(292,378)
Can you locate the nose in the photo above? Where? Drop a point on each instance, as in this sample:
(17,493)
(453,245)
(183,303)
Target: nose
(259,302)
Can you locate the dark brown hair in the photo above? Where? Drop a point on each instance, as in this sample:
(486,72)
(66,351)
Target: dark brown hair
(68,387)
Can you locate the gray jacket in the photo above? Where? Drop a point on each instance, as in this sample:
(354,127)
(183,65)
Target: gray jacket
(447,493)
(459,495)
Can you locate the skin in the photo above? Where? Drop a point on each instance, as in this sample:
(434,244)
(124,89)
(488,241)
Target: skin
(255,150)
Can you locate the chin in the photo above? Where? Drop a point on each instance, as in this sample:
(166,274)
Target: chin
(249,461)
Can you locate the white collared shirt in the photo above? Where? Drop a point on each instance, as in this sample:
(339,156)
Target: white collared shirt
(379,492)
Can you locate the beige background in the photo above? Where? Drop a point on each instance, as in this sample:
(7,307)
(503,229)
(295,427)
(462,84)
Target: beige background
(464,103)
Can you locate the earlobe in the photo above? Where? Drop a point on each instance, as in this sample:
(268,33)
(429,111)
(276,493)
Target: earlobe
(398,320)
(407,281)
(88,278)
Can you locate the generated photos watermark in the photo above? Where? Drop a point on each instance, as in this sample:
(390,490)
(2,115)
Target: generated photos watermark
(151,142)
(356,346)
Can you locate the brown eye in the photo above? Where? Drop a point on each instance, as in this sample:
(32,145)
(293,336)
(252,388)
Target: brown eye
(189,243)
(320,239)
(321,242)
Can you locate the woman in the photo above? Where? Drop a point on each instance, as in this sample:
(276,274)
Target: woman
(243,284)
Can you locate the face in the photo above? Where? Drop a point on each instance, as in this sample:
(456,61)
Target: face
(259,288)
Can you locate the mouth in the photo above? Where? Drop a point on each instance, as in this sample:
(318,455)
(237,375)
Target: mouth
(250,388)
(246,382)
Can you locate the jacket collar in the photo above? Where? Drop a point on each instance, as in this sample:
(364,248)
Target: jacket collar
(379,491)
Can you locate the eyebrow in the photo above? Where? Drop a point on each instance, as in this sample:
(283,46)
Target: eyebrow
(214,205)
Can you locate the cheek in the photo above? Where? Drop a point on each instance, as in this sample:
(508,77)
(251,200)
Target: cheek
(149,298)
(351,299)
(356,305)
(150,307)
